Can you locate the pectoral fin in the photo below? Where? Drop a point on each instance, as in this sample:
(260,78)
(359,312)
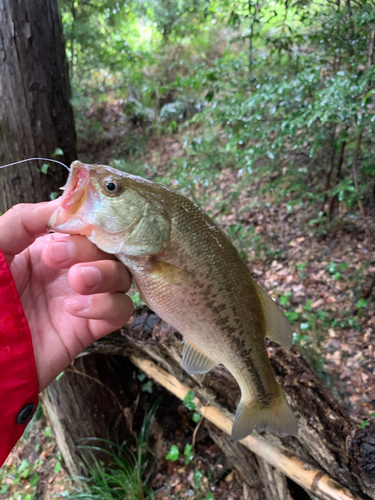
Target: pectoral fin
(195,361)
(278,327)
(168,273)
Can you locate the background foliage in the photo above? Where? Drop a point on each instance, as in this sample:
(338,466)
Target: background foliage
(284,85)
(272,96)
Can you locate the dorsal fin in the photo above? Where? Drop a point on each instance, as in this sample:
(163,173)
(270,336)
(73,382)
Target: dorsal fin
(278,327)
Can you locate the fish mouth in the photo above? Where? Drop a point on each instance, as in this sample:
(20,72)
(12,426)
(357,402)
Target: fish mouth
(71,216)
(76,188)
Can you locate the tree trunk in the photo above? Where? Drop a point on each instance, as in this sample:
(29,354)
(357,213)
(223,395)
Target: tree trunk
(35,112)
(94,398)
(328,440)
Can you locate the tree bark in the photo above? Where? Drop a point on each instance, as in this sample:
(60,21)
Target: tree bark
(36,116)
(328,440)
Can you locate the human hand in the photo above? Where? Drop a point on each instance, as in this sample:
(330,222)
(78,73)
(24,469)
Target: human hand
(72,293)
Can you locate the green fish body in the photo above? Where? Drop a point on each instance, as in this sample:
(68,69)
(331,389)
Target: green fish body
(190,274)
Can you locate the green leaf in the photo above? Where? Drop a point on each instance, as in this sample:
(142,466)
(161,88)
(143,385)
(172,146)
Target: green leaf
(47,432)
(366,422)
(25,474)
(307,306)
(283,300)
(173,453)
(209,497)
(361,303)
(332,267)
(188,453)
(4,489)
(57,152)
(44,168)
(196,417)
(54,195)
(148,386)
(57,467)
(23,465)
(136,298)
(141,376)
(29,496)
(291,316)
(367,96)
(189,400)
(198,476)
(34,479)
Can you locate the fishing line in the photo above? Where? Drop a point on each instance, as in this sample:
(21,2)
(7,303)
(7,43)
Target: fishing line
(30,159)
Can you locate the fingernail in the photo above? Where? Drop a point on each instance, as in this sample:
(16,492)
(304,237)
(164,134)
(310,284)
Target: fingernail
(91,276)
(61,251)
(79,302)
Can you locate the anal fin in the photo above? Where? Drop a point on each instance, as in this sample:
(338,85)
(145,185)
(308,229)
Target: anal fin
(195,361)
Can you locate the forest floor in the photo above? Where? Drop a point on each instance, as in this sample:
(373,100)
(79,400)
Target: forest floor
(317,277)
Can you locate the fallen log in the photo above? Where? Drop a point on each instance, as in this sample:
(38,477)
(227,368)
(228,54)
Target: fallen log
(302,473)
(330,448)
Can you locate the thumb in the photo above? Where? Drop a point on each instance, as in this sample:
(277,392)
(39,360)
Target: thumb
(22,224)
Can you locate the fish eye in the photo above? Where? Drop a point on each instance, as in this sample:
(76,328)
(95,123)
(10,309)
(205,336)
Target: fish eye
(111,186)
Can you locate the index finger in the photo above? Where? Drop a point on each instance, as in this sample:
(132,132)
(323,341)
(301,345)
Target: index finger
(22,224)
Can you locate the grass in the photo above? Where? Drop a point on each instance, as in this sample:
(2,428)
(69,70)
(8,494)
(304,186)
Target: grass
(129,471)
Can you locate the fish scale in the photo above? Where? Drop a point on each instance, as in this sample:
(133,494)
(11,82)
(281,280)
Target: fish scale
(190,274)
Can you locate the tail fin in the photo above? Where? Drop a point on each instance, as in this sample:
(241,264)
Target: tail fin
(277,418)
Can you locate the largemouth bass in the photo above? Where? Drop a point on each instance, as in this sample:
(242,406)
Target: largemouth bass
(190,274)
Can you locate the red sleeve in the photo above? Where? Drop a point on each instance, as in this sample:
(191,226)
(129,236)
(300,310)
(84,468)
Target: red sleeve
(19,385)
